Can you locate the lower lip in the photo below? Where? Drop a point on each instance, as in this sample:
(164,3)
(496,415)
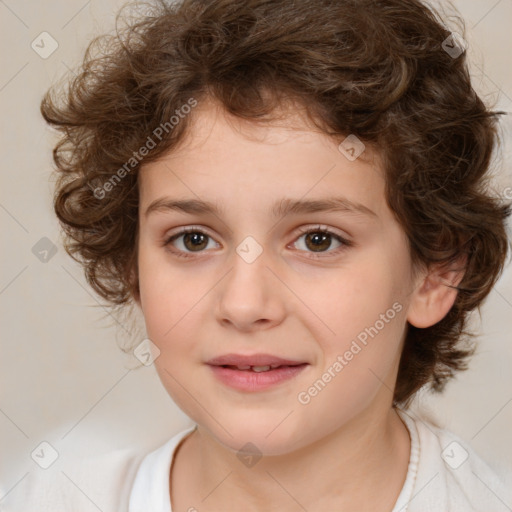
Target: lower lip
(244,380)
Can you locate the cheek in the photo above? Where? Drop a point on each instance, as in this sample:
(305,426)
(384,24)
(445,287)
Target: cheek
(165,295)
(363,308)
(355,297)
(360,360)
(171,308)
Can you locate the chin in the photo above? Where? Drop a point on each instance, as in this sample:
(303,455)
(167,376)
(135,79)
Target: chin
(262,437)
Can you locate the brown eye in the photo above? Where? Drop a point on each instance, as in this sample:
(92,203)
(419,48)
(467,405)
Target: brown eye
(317,241)
(195,241)
(188,241)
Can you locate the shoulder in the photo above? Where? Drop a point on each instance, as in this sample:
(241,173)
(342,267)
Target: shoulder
(133,479)
(150,490)
(99,482)
(451,475)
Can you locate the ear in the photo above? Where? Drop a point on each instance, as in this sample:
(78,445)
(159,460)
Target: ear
(434,294)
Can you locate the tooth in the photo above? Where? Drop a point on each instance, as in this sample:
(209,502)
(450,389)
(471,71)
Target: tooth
(260,368)
(274,366)
(247,367)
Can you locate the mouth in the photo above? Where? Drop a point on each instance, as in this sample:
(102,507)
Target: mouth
(260,368)
(245,362)
(255,372)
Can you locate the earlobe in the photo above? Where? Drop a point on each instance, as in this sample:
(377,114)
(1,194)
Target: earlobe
(435,295)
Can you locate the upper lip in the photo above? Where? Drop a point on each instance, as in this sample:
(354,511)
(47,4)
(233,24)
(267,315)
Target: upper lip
(252,360)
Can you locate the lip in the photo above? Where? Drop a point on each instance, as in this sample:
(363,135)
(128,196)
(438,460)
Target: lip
(251,381)
(252,360)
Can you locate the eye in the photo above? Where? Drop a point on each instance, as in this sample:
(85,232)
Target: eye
(319,240)
(193,240)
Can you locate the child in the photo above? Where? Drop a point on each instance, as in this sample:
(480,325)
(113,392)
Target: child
(293,193)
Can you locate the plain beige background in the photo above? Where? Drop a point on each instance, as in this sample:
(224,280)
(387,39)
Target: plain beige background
(64,379)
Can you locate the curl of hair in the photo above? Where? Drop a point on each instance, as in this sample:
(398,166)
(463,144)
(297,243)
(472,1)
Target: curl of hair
(363,67)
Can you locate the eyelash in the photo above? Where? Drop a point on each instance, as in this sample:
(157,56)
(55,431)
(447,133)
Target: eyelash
(319,229)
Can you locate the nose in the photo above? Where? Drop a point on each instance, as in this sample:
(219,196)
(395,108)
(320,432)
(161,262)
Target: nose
(250,297)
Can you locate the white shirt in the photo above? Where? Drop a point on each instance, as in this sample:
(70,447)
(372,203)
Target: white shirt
(444,475)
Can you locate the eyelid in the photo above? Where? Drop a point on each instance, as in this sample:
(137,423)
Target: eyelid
(187,229)
(322,228)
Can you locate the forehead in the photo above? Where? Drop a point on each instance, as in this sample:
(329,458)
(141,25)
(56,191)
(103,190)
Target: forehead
(210,124)
(223,158)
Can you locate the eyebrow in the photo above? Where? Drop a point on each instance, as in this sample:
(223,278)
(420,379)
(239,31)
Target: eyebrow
(281,208)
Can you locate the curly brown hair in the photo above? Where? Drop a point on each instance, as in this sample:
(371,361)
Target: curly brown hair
(389,72)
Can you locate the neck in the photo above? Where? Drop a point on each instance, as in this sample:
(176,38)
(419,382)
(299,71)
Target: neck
(361,466)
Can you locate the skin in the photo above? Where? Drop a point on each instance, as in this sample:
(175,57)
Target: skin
(346,449)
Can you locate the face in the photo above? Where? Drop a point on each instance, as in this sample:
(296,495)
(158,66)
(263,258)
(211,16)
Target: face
(324,290)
